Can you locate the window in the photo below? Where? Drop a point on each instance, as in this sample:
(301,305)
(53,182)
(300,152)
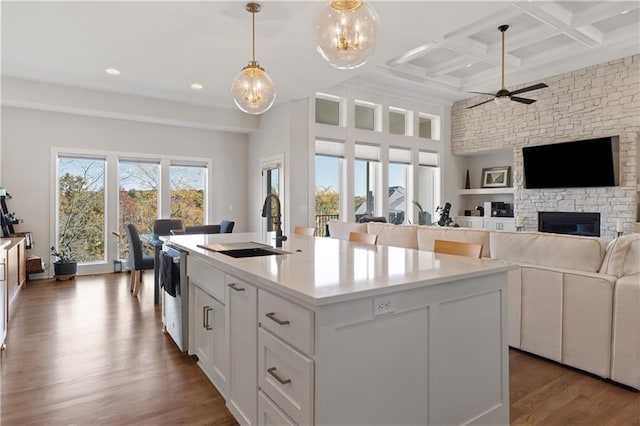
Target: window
(138,194)
(327,111)
(365,175)
(188,185)
(81,207)
(365,116)
(428,126)
(328,181)
(399,166)
(428,189)
(398,120)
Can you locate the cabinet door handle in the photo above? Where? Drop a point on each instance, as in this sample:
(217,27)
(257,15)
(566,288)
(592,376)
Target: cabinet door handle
(272,317)
(282,381)
(235,287)
(208,309)
(204,316)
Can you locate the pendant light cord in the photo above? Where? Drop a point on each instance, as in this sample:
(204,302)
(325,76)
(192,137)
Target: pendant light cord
(253,16)
(503,58)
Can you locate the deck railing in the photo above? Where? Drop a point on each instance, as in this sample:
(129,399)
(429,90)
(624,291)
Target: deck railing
(321,223)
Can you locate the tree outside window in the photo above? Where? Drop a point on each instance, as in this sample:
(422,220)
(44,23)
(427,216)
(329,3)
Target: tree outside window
(81,208)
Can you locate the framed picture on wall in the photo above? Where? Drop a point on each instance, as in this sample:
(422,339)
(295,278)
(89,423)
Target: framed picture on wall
(496,177)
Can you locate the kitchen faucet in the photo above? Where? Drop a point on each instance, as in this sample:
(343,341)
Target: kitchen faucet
(279,237)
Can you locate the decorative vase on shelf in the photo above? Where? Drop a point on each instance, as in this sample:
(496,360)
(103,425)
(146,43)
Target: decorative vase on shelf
(467,183)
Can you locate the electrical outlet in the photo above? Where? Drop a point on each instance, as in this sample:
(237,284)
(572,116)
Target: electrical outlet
(382,305)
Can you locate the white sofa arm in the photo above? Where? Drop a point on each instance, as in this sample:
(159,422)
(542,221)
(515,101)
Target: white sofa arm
(625,352)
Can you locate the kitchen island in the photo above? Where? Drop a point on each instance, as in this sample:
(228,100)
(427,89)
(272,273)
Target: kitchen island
(332,332)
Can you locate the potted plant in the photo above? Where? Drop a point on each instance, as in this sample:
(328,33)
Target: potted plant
(424,218)
(65,267)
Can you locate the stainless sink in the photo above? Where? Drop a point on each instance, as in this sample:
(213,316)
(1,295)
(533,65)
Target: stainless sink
(244,249)
(251,252)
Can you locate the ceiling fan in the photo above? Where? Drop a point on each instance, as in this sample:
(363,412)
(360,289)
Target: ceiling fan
(503,95)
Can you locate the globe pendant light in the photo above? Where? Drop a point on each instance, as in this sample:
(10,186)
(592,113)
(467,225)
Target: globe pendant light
(252,89)
(346,33)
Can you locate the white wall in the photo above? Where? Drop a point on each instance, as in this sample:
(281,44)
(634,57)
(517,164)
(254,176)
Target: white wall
(272,139)
(28,136)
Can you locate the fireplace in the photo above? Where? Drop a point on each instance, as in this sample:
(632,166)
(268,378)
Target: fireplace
(573,223)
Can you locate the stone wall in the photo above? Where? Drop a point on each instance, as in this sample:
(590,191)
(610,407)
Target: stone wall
(602,100)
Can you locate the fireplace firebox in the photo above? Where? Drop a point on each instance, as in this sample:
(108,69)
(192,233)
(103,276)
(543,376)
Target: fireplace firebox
(573,223)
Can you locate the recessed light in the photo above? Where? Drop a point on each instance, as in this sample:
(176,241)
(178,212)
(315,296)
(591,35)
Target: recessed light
(624,12)
(468,65)
(197,86)
(112,71)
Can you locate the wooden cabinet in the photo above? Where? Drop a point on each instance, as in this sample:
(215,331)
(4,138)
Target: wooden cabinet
(4,303)
(242,307)
(16,267)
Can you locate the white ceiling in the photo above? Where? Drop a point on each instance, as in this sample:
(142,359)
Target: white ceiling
(440,49)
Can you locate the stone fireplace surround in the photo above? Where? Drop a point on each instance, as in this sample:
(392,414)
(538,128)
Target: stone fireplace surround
(598,101)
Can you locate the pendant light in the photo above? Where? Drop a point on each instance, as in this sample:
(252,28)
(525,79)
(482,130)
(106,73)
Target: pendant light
(252,89)
(346,33)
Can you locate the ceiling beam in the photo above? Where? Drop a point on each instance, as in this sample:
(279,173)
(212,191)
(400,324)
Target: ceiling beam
(600,11)
(559,18)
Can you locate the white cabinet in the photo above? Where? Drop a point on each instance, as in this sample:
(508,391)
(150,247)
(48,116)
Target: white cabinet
(285,346)
(242,308)
(210,341)
(490,223)
(470,221)
(207,321)
(500,223)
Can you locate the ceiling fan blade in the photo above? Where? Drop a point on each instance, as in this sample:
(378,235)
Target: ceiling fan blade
(483,93)
(481,103)
(522,100)
(528,89)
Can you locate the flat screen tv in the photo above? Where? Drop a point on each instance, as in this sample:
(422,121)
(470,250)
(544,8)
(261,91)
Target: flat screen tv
(579,164)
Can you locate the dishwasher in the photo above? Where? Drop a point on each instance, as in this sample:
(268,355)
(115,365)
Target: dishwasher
(175,294)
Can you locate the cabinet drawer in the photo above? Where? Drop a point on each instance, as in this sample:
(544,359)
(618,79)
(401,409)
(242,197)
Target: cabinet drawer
(290,322)
(270,414)
(208,278)
(286,377)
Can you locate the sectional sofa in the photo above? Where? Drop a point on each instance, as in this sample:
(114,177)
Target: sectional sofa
(574,299)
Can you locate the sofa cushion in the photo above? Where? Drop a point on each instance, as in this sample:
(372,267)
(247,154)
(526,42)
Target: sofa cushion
(341,230)
(545,249)
(428,234)
(394,235)
(587,311)
(623,256)
(541,322)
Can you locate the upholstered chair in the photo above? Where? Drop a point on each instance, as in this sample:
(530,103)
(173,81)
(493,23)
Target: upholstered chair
(137,260)
(226,226)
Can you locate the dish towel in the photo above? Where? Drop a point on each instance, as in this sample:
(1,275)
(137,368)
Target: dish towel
(169,274)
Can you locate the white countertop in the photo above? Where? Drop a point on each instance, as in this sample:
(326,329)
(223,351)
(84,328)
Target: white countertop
(319,270)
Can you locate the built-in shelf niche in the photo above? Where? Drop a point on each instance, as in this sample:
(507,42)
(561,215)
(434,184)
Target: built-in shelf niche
(476,195)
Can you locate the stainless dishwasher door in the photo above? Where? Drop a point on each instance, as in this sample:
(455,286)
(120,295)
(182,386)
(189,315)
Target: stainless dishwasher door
(175,310)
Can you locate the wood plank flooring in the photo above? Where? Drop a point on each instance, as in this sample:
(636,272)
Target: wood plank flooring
(85,352)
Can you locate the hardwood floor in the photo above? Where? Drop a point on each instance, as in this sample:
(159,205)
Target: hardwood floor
(86,352)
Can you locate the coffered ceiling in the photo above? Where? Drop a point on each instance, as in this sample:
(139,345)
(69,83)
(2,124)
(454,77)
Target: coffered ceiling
(438,49)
